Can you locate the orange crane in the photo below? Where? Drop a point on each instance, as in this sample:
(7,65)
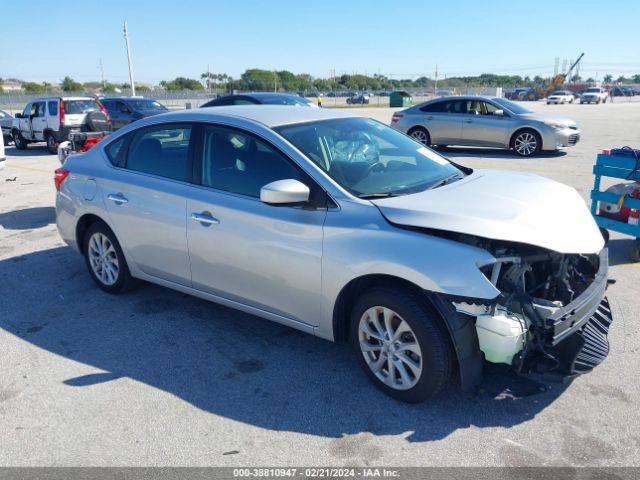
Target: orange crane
(556,82)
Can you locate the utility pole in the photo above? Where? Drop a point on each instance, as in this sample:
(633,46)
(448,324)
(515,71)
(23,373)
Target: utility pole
(435,85)
(102,74)
(126,41)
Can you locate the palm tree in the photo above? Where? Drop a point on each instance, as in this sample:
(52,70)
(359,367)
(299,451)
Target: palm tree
(607,78)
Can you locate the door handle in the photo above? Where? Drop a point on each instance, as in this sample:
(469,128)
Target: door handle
(117,198)
(429,117)
(468,120)
(204,218)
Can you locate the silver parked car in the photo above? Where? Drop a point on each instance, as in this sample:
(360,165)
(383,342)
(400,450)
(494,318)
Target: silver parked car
(344,228)
(485,122)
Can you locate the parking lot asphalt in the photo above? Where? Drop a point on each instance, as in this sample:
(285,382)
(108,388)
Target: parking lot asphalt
(154,377)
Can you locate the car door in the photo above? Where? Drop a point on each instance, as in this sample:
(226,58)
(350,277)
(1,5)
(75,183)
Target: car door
(38,121)
(145,197)
(443,120)
(243,250)
(482,127)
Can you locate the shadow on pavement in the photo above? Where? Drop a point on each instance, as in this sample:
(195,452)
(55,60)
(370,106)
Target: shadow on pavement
(33,150)
(28,218)
(232,364)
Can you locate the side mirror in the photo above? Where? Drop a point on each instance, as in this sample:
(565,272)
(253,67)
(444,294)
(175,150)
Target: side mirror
(18,115)
(283,192)
(499,113)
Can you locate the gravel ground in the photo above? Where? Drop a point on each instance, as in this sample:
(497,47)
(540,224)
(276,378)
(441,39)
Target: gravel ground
(157,378)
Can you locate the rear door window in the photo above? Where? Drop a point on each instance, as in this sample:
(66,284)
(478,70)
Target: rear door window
(53,108)
(161,150)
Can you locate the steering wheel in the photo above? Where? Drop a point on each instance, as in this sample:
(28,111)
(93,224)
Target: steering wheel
(376,166)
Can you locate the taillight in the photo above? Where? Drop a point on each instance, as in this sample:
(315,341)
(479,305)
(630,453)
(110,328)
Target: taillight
(60,175)
(396,117)
(61,112)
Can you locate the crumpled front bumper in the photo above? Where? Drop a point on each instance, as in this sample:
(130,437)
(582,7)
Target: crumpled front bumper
(575,337)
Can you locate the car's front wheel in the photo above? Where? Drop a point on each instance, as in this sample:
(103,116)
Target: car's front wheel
(19,141)
(420,135)
(105,260)
(402,344)
(526,143)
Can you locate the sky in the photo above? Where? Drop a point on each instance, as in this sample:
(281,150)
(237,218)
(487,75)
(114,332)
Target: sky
(402,38)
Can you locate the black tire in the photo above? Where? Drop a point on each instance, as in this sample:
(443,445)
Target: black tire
(604,100)
(52,144)
(520,136)
(19,140)
(428,329)
(420,134)
(634,253)
(581,102)
(6,139)
(605,235)
(124,280)
(97,121)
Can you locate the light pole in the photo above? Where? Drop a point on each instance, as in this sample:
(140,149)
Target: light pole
(126,41)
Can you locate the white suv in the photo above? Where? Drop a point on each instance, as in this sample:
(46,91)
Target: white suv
(53,119)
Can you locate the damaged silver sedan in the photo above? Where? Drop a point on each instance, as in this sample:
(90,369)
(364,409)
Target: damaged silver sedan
(344,228)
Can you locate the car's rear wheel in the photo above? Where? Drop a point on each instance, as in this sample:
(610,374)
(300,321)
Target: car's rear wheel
(105,260)
(421,135)
(526,143)
(19,141)
(401,344)
(52,145)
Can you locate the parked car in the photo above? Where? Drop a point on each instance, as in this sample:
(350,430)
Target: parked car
(358,99)
(594,95)
(124,110)
(258,98)
(560,96)
(625,91)
(344,228)
(6,121)
(52,120)
(3,158)
(485,122)
(522,94)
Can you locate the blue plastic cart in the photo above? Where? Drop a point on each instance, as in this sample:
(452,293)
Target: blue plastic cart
(623,167)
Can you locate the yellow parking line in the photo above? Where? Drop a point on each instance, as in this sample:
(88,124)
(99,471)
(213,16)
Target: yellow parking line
(32,169)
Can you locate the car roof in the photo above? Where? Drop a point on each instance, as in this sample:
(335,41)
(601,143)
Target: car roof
(262,95)
(269,115)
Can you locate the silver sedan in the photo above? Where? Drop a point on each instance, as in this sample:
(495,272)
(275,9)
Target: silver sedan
(485,122)
(344,228)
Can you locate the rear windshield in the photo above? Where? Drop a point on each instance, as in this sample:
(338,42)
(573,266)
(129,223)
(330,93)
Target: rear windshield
(80,106)
(146,105)
(593,90)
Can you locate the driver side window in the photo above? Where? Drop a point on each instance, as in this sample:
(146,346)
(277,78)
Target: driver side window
(236,162)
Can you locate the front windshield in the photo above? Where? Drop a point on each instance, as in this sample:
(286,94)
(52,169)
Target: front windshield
(146,105)
(593,90)
(368,158)
(512,107)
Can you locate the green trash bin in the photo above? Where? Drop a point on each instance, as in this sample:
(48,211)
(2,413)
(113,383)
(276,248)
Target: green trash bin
(399,99)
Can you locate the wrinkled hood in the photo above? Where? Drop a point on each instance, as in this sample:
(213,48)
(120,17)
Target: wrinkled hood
(540,117)
(502,205)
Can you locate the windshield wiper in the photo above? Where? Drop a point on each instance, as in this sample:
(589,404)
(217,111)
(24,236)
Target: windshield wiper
(368,196)
(444,181)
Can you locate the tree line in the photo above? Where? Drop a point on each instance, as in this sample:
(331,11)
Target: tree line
(255,79)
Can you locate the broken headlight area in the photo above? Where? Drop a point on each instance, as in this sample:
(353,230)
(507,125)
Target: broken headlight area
(551,317)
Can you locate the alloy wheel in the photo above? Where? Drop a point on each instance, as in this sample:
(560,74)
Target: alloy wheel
(421,136)
(103,259)
(526,144)
(390,348)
